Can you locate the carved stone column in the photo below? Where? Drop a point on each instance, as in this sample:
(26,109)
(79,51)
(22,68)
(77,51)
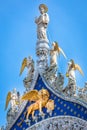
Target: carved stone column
(42,51)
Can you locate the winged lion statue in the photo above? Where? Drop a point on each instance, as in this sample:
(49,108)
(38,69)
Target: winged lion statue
(41,99)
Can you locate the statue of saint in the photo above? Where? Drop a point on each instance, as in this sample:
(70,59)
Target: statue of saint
(42,22)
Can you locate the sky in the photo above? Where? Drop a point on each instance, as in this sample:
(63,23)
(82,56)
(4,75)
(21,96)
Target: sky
(68,26)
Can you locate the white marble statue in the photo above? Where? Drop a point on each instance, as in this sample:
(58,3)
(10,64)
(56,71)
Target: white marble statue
(42,22)
(51,71)
(54,52)
(13,98)
(71,87)
(29,64)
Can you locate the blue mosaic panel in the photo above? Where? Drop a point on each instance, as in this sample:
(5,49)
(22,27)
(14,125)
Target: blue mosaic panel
(62,107)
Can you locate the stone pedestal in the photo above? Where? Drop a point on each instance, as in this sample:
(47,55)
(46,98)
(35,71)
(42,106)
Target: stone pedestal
(42,52)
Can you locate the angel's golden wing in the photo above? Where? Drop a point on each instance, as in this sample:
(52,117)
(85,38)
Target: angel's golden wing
(8,98)
(56,47)
(31,96)
(77,67)
(24,64)
(60,50)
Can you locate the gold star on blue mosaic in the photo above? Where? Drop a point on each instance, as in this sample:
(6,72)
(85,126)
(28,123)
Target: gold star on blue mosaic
(64,113)
(58,100)
(61,102)
(78,107)
(65,105)
(71,110)
(55,97)
(21,118)
(58,108)
(55,105)
(39,85)
(85,112)
(75,113)
(82,109)
(74,104)
(61,110)
(54,114)
(68,107)
(78,115)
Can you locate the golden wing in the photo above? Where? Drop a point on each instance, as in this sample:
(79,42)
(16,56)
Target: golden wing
(56,47)
(24,64)
(8,98)
(77,67)
(31,96)
(60,50)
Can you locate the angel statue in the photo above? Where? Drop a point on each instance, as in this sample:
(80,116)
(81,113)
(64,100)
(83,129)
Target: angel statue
(51,72)
(71,87)
(54,52)
(29,64)
(41,99)
(42,22)
(13,98)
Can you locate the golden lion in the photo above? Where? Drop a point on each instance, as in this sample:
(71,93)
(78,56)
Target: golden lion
(41,99)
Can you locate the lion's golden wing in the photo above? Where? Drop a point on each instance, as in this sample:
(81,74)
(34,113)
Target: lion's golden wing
(62,52)
(77,67)
(24,64)
(31,96)
(8,98)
